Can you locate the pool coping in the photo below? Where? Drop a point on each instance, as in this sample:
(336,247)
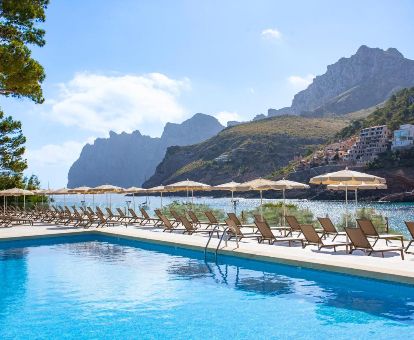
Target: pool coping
(264,253)
(362,270)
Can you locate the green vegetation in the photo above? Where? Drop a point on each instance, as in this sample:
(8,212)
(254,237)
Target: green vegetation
(273,213)
(379,221)
(393,159)
(252,149)
(399,109)
(20,76)
(183,207)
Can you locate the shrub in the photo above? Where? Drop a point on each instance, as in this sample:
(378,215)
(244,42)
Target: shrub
(273,213)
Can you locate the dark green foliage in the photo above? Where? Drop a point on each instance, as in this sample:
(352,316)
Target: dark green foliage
(389,159)
(399,109)
(20,74)
(11,145)
(273,213)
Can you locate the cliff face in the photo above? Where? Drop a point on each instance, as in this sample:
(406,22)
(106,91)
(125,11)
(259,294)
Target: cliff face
(366,79)
(245,151)
(129,159)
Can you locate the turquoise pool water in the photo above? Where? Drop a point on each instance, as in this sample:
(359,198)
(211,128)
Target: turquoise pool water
(93,287)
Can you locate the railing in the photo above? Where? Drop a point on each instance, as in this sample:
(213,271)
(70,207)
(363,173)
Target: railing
(224,234)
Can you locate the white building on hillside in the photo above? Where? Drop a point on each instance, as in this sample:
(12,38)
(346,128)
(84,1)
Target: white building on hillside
(372,141)
(404,137)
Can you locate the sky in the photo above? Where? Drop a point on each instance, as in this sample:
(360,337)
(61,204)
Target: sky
(135,65)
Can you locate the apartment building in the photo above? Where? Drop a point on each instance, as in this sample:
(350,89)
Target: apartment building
(403,138)
(371,142)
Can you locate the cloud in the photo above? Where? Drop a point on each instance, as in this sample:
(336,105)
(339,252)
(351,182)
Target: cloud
(101,103)
(271,34)
(54,154)
(301,83)
(52,161)
(225,116)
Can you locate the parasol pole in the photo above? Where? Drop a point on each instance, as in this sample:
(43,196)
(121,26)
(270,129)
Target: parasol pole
(261,201)
(284,207)
(161,198)
(24,202)
(346,206)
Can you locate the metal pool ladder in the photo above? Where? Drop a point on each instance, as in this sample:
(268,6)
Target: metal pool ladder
(224,233)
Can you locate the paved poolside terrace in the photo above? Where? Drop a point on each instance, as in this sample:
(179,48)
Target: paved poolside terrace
(390,268)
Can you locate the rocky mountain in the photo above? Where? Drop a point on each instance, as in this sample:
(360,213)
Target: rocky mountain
(245,151)
(128,159)
(365,79)
(397,110)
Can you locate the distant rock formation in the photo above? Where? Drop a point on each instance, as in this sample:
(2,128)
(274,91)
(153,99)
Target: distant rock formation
(367,78)
(128,159)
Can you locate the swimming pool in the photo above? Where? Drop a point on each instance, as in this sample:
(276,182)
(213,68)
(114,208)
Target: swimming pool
(93,286)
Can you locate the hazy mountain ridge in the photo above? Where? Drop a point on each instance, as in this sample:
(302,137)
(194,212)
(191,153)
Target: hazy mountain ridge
(128,159)
(365,79)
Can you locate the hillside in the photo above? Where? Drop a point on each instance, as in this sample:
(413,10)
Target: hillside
(399,109)
(365,79)
(128,159)
(245,151)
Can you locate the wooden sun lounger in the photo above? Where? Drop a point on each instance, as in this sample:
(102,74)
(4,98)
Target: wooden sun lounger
(266,234)
(135,217)
(176,216)
(236,220)
(369,230)
(261,218)
(235,231)
(190,229)
(313,238)
(359,241)
(168,226)
(329,228)
(125,218)
(293,225)
(212,220)
(105,221)
(196,222)
(410,227)
(147,219)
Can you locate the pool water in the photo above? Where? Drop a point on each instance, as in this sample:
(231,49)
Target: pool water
(93,287)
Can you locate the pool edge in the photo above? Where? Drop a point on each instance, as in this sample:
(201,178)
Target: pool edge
(372,274)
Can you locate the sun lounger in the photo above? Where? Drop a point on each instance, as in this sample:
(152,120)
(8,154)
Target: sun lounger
(190,229)
(369,230)
(236,220)
(329,228)
(112,216)
(147,219)
(168,226)
(196,222)
(261,218)
(410,227)
(293,225)
(235,231)
(124,218)
(313,238)
(359,241)
(105,221)
(135,218)
(266,234)
(212,220)
(176,216)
